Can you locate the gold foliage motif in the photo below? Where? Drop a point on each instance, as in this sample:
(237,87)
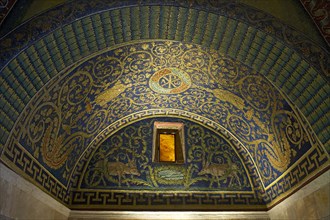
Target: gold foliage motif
(216,160)
(50,149)
(227,96)
(75,107)
(124,161)
(108,95)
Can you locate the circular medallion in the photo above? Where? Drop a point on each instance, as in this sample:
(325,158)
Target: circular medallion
(170,81)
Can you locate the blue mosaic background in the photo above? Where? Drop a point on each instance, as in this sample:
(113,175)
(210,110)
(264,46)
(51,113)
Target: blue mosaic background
(133,144)
(116,83)
(265,44)
(65,82)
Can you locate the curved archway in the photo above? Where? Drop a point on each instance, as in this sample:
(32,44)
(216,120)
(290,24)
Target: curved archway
(63,85)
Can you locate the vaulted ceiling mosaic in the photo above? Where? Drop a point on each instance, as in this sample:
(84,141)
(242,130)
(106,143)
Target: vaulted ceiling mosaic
(81,92)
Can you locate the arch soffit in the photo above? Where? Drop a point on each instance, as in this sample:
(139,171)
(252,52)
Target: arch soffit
(273,62)
(281,51)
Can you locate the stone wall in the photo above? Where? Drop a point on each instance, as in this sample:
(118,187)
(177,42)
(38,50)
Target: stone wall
(19,199)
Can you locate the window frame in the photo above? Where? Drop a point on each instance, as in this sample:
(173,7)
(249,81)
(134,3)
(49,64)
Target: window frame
(169,128)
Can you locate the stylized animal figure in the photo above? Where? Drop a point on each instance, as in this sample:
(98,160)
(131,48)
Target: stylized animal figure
(120,169)
(233,173)
(220,171)
(215,170)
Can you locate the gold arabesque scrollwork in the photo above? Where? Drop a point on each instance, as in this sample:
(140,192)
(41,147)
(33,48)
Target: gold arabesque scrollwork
(114,83)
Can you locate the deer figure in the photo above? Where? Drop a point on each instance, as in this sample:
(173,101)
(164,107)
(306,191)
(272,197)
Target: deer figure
(233,173)
(120,169)
(219,171)
(215,170)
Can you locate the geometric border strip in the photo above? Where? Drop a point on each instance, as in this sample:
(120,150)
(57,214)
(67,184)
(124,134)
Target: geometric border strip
(316,160)
(21,161)
(115,200)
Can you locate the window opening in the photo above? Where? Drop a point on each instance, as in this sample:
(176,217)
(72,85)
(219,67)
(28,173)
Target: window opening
(167,147)
(168,143)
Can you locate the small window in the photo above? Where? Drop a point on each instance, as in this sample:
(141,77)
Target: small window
(168,143)
(166,147)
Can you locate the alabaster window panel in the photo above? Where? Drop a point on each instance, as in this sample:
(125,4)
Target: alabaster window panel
(168,143)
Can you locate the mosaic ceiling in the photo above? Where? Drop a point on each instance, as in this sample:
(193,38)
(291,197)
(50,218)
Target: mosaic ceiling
(80,94)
